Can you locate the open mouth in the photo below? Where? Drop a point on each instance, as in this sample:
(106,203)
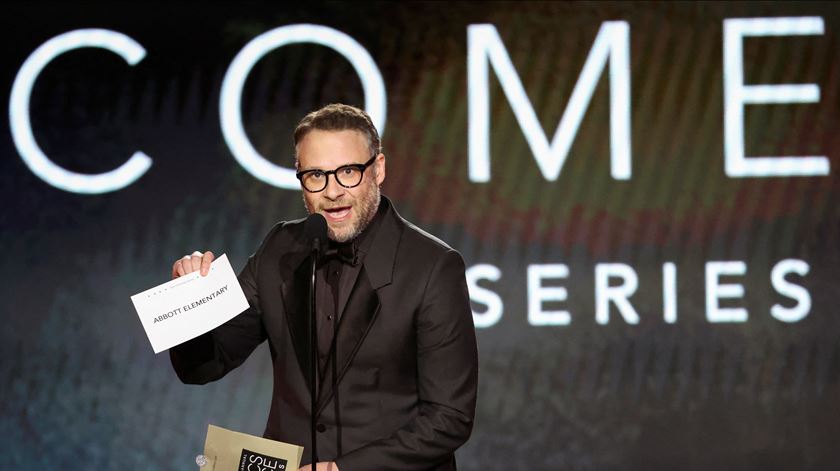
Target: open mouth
(337,214)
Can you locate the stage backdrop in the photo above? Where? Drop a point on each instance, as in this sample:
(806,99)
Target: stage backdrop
(646,197)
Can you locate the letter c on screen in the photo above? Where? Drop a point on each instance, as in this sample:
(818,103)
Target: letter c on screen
(21,126)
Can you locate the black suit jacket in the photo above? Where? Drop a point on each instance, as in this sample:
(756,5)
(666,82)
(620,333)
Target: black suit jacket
(406,374)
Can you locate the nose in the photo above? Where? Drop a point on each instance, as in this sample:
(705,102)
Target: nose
(333,191)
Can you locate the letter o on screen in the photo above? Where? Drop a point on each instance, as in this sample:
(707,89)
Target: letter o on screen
(230,102)
(21,126)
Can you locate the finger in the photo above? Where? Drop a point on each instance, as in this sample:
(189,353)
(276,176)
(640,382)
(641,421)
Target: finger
(186,264)
(178,269)
(181,270)
(195,260)
(206,260)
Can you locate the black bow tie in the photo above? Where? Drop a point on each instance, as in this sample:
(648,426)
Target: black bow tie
(344,252)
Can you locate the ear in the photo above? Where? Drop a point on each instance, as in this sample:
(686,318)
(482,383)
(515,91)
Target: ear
(379,163)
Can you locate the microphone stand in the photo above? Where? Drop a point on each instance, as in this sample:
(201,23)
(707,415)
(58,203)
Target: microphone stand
(313,353)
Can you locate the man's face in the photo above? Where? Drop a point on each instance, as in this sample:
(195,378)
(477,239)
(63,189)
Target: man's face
(347,210)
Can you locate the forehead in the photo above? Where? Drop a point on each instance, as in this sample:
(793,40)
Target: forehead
(330,149)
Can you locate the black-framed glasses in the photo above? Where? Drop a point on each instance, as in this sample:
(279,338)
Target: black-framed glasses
(348,176)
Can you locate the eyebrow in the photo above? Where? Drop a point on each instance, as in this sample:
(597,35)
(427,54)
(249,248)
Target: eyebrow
(321,169)
(336,168)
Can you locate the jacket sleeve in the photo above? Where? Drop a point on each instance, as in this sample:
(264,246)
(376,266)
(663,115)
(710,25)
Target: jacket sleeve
(447,369)
(210,356)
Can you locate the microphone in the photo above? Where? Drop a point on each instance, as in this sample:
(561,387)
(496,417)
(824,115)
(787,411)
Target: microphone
(315,230)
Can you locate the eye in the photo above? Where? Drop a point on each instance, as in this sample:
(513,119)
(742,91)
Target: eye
(347,170)
(316,175)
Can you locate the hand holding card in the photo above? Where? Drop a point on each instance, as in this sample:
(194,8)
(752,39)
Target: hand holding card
(190,305)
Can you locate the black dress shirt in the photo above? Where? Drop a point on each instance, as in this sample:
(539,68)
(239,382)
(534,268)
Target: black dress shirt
(334,281)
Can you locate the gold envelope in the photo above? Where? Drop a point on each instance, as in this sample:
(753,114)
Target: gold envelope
(226,450)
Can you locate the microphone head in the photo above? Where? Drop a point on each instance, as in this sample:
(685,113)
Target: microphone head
(315,227)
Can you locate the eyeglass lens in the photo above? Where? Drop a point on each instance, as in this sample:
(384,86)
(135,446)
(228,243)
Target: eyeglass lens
(346,176)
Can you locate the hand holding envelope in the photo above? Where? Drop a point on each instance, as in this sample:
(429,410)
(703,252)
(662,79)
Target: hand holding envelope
(191,304)
(227,450)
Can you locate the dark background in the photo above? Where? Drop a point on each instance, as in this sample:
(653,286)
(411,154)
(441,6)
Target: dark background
(82,388)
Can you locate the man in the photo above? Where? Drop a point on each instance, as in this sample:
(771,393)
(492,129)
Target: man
(396,343)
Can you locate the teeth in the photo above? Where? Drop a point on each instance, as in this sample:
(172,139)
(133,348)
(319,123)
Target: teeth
(333,214)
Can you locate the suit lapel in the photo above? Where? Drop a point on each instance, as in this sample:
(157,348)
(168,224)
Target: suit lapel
(358,316)
(295,291)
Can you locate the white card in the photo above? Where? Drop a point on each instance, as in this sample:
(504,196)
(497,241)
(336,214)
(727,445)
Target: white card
(186,307)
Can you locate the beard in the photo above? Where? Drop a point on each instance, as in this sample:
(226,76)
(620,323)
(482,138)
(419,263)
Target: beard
(364,209)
